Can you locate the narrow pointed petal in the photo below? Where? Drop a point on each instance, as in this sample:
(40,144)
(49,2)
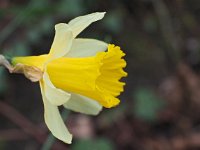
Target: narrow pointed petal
(54,95)
(54,121)
(86,47)
(80,23)
(62,41)
(83,104)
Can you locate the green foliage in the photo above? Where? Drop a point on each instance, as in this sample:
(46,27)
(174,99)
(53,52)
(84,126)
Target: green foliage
(93,144)
(113,21)
(71,8)
(147,104)
(21,49)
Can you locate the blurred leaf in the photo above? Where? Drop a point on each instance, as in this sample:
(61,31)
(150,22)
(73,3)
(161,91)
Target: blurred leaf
(93,144)
(71,8)
(147,104)
(38,4)
(47,25)
(18,49)
(33,35)
(113,21)
(21,49)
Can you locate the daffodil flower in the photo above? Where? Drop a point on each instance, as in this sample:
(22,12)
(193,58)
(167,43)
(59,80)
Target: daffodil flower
(77,73)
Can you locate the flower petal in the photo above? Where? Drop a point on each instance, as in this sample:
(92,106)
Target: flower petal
(83,104)
(53,119)
(80,23)
(62,41)
(54,95)
(86,47)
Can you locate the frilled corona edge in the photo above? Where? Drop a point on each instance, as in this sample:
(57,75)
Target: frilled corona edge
(96,77)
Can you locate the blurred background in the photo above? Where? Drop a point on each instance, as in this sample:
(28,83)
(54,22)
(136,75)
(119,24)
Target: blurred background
(160,107)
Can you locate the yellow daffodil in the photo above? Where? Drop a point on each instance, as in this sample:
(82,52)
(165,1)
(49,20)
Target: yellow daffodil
(77,73)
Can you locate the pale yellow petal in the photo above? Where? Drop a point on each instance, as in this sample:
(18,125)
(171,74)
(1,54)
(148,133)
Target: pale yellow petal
(86,47)
(54,95)
(53,119)
(62,41)
(80,23)
(83,104)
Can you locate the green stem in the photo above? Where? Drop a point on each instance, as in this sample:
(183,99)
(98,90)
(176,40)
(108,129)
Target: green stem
(51,139)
